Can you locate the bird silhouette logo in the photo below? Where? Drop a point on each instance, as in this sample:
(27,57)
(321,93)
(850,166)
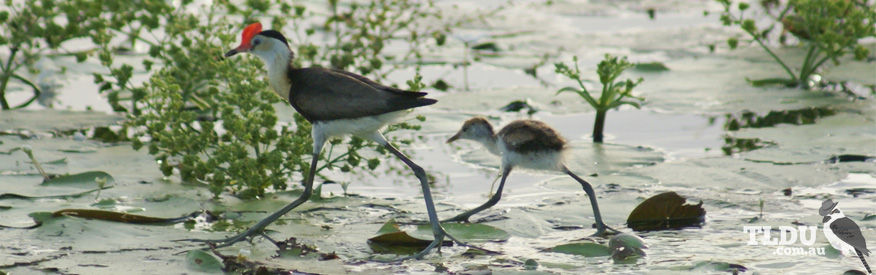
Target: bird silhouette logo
(842,233)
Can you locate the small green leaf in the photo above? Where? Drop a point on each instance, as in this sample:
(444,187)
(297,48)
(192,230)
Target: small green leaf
(651,67)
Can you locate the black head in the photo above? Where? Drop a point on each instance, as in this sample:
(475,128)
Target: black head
(276,35)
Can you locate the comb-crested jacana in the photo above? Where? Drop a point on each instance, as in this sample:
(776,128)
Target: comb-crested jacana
(337,103)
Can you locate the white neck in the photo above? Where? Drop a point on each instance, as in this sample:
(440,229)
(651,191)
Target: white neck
(491,143)
(276,60)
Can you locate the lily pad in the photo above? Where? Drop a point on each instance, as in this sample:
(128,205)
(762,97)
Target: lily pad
(60,196)
(391,239)
(90,177)
(473,232)
(585,249)
(665,211)
(47,120)
(200,260)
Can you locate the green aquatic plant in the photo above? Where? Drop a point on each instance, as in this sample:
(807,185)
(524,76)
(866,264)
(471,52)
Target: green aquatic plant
(614,93)
(827,29)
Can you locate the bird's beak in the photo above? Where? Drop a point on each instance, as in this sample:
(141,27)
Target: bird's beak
(231,53)
(826,219)
(453,138)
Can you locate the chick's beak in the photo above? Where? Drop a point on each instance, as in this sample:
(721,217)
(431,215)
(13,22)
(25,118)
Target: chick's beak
(453,138)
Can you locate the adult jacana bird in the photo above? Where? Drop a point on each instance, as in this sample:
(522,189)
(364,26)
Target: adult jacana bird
(336,103)
(528,144)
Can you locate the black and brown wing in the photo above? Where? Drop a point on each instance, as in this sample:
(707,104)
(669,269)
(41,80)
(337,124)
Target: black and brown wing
(321,94)
(531,135)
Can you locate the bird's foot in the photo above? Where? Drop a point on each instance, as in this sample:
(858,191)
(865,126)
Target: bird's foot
(605,231)
(219,243)
(459,219)
(439,240)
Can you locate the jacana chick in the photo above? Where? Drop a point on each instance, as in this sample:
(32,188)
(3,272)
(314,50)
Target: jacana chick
(528,144)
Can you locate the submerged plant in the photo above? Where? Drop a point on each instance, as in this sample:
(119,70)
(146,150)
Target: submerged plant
(827,29)
(614,93)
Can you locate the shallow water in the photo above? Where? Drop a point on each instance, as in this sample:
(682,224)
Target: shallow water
(674,143)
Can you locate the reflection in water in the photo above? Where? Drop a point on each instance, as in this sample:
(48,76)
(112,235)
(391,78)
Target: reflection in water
(747,119)
(734,145)
(796,117)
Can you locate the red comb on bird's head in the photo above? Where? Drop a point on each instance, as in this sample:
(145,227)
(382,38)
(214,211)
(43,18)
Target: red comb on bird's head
(245,38)
(248,33)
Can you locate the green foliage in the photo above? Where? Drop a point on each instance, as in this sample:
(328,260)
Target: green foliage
(614,93)
(212,120)
(362,30)
(30,30)
(828,29)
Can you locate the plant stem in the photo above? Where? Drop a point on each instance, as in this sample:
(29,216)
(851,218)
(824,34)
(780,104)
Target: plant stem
(36,91)
(818,64)
(767,49)
(599,125)
(808,67)
(7,73)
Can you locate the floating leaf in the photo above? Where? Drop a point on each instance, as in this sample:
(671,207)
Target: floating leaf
(89,177)
(391,239)
(474,232)
(63,196)
(118,217)
(651,67)
(47,120)
(200,260)
(583,249)
(665,211)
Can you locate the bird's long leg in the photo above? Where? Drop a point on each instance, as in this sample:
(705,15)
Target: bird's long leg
(260,226)
(861,256)
(493,200)
(600,226)
(437,230)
